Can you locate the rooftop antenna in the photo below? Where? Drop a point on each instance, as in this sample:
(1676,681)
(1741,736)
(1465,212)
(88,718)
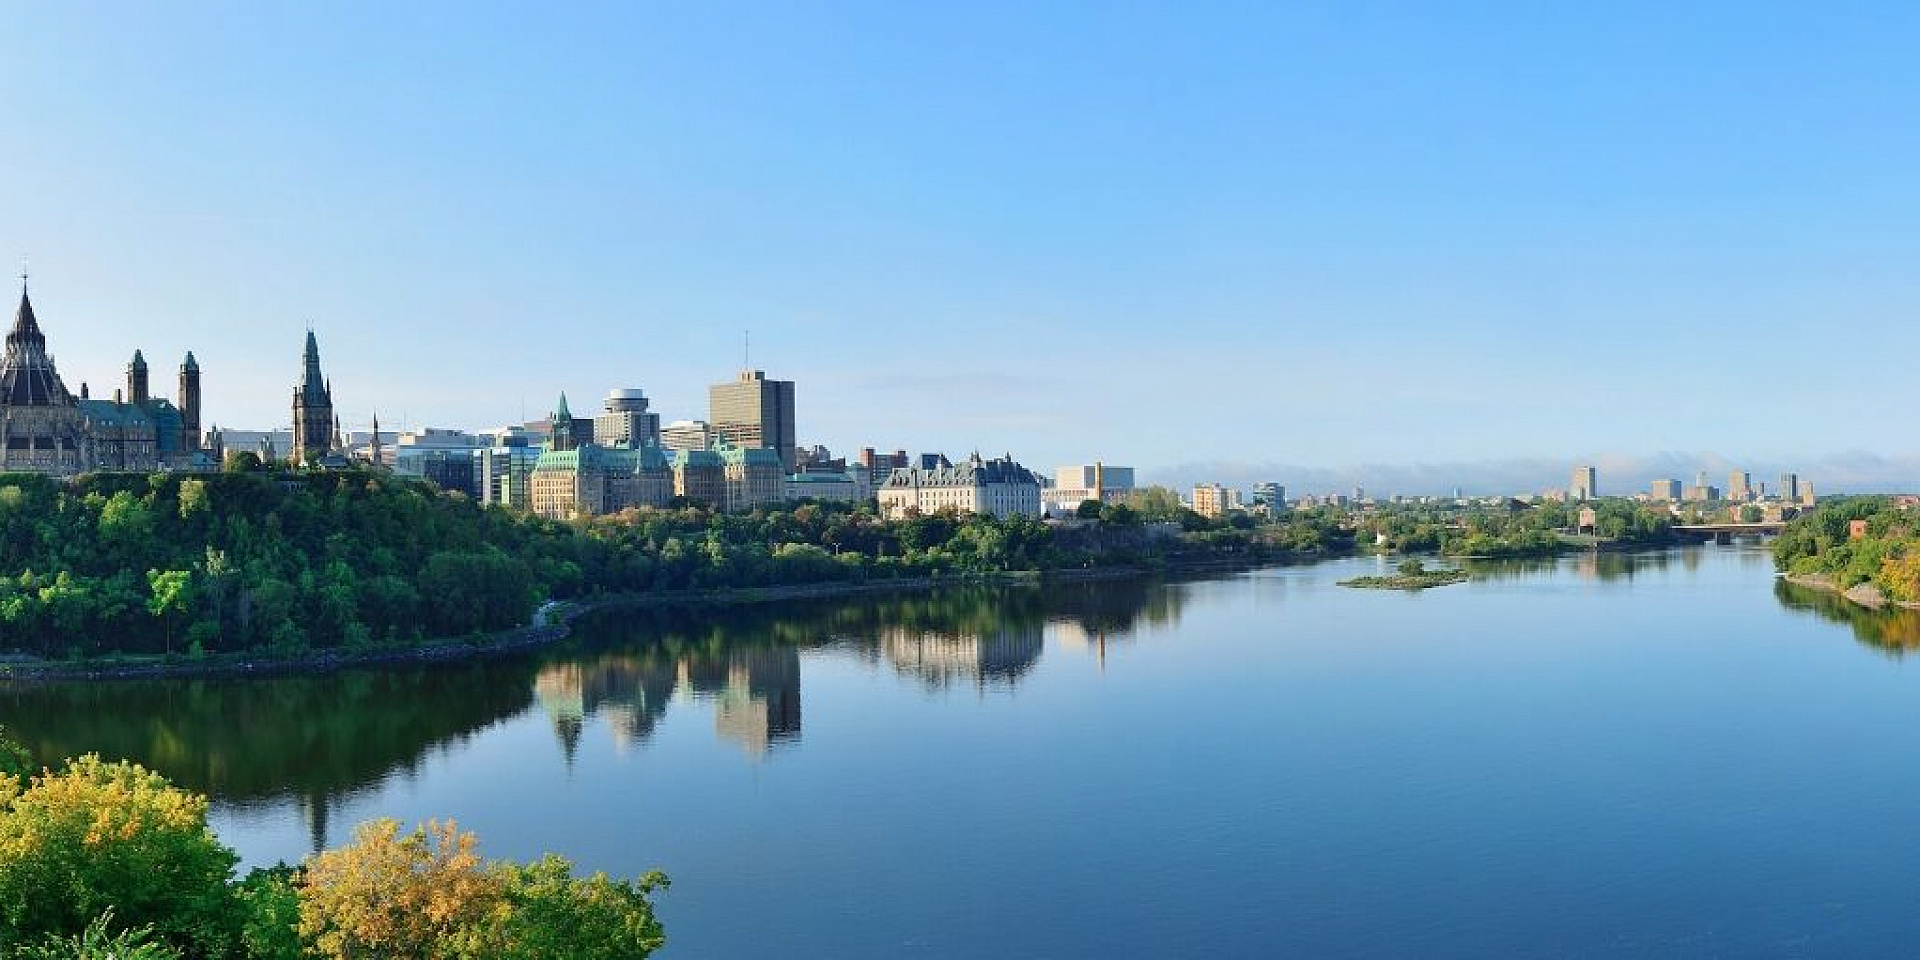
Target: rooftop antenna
(746,350)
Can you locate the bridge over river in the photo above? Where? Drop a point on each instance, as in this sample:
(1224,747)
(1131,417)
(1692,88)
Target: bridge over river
(1725,532)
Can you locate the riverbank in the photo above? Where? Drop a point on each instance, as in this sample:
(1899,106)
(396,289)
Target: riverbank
(554,622)
(1860,594)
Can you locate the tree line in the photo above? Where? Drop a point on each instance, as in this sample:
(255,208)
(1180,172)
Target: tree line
(287,562)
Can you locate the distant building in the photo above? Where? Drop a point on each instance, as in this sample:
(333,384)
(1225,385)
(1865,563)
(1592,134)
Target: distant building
(1000,487)
(1668,490)
(569,432)
(1270,495)
(755,476)
(502,472)
(590,480)
(1075,485)
(1585,485)
(1806,498)
(1701,493)
(687,435)
(842,487)
(1789,487)
(753,411)
(880,466)
(314,421)
(1740,486)
(626,422)
(454,470)
(46,430)
(700,475)
(1214,501)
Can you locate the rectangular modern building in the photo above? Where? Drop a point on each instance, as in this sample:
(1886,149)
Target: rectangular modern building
(1585,485)
(1668,490)
(753,411)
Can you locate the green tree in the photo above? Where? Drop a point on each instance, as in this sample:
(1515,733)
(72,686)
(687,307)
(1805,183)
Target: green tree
(113,836)
(556,916)
(171,597)
(99,941)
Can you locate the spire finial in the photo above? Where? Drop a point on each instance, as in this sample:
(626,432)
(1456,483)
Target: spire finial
(23,273)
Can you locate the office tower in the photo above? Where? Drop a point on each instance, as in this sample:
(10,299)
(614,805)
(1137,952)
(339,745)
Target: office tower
(1668,490)
(1585,484)
(626,422)
(753,411)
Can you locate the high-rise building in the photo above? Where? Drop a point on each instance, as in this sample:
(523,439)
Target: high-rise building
(1789,487)
(626,423)
(1668,490)
(313,418)
(1740,486)
(753,411)
(1214,501)
(1585,485)
(1270,494)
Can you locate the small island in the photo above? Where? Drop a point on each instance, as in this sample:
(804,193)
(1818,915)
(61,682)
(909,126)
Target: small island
(1413,575)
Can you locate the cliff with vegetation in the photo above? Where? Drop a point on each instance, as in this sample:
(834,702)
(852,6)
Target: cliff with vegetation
(289,563)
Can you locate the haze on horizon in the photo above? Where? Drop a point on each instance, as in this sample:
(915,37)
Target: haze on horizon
(1158,235)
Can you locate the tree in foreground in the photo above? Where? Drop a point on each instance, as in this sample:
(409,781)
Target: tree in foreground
(99,941)
(427,895)
(112,837)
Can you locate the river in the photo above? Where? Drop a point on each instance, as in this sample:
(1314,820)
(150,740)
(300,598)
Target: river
(1655,755)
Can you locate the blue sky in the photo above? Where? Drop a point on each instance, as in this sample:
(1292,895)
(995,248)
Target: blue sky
(1316,234)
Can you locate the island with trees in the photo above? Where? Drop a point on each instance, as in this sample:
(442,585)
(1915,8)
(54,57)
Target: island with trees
(1412,574)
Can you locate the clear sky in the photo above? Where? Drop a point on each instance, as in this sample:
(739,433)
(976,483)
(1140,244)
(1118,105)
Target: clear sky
(1156,234)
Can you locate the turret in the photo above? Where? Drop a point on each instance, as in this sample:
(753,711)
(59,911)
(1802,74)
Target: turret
(189,403)
(137,380)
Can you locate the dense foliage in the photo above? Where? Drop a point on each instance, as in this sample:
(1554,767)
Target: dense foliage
(289,562)
(1886,554)
(1515,530)
(108,860)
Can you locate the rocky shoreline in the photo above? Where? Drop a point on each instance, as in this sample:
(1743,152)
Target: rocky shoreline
(1861,594)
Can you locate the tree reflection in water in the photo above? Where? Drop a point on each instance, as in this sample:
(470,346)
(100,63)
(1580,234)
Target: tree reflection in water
(317,739)
(1894,630)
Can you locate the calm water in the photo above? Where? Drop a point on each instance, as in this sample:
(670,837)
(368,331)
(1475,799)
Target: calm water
(1665,755)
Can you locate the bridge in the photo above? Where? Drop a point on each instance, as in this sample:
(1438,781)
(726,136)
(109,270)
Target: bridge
(1725,532)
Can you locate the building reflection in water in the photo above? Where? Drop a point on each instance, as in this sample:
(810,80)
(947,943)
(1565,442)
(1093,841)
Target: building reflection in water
(979,660)
(755,692)
(318,742)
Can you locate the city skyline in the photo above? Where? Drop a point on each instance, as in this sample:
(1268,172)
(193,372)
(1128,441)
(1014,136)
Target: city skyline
(1410,240)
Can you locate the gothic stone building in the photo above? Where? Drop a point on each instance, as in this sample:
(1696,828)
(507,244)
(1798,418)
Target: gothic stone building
(45,429)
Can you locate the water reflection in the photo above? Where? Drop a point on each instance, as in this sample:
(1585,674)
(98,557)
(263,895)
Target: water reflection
(318,740)
(1895,630)
(1603,566)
